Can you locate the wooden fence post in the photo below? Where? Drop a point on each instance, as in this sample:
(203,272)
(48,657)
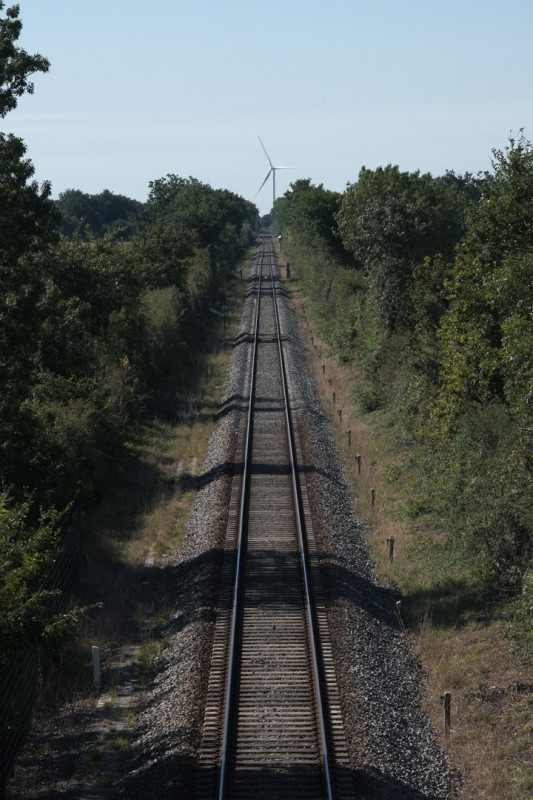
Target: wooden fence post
(446,700)
(390,542)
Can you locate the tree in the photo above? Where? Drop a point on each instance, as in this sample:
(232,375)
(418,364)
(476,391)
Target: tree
(197,206)
(502,222)
(26,214)
(28,222)
(26,552)
(391,221)
(16,65)
(179,208)
(489,317)
(308,212)
(28,218)
(482,408)
(102,213)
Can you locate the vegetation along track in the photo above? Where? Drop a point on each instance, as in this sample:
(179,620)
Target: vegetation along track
(272,725)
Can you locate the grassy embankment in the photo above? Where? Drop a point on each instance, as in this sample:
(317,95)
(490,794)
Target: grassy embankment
(461,640)
(140,521)
(129,538)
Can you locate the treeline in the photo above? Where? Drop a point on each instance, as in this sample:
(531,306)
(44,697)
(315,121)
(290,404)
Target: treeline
(94,332)
(97,332)
(101,329)
(427,284)
(85,215)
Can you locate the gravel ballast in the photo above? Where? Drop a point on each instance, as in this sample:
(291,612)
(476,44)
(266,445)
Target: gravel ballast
(394,749)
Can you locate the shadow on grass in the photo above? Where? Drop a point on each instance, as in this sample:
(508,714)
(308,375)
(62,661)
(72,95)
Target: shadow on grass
(129,593)
(452,604)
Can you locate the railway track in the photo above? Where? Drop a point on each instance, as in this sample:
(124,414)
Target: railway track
(273,726)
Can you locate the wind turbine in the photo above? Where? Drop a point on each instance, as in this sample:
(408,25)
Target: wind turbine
(271,171)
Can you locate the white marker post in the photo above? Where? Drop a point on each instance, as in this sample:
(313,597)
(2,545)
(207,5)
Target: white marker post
(96,666)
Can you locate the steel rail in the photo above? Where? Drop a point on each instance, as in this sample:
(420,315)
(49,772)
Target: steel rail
(313,648)
(305,566)
(244,491)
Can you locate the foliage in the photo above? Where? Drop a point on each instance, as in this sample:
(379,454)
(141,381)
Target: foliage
(219,218)
(482,490)
(163,250)
(103,329)
(28,218)
(391,221)
(26,552)
(484,343)
(509,291)
(94,330)
(307,214)
(435,306)
(99,330)
(16,65)
(98,213)
(28,224)
(486,289)
(27,549)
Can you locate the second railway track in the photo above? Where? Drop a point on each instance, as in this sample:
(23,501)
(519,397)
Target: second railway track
(273,726)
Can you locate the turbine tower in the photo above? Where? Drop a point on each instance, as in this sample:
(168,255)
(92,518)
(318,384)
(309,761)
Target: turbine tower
(271,171)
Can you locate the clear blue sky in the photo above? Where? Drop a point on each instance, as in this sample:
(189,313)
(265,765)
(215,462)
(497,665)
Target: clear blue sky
(140,89)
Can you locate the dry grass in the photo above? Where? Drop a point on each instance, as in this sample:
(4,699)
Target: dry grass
(140,523)
(492,694)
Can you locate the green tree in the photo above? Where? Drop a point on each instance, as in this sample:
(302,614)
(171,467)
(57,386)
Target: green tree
(220,221)
(16,65)
(482,412)
(28,222)
(308,213)
(488,288)
(199,207)
(391,221)
(101,213)
(29,616)
(509,292)
(163,251)
(26,552)
(26,215)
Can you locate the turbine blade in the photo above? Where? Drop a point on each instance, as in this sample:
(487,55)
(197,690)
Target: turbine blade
(282,167)
(265,152)
(267,177)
